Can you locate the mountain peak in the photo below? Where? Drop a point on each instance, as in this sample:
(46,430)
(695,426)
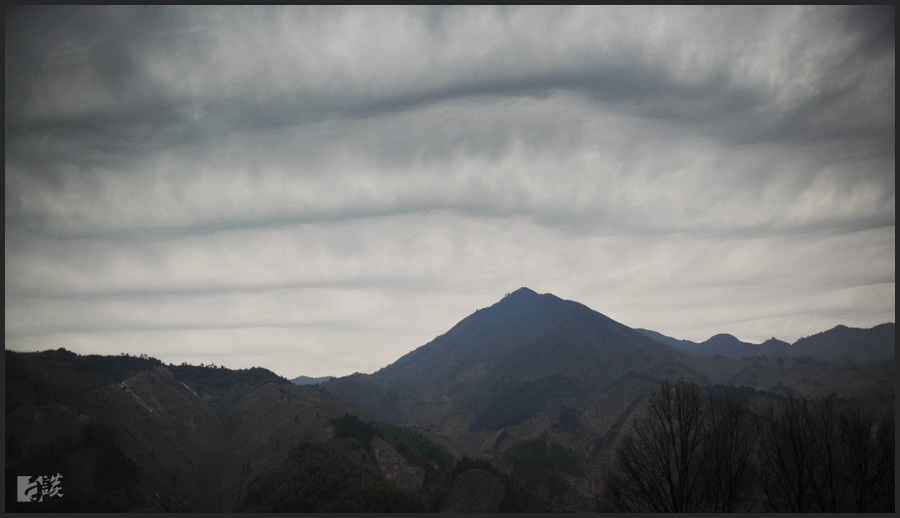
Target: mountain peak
(524,346)
(774,342)
(521,298)
(522,292)
(723,338)
(525,299)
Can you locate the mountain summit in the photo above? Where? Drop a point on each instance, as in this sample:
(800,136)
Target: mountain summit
(527,340)
(528,336)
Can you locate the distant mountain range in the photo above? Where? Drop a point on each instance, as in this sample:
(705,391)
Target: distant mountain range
(530,353)
(839,344)
(539,386)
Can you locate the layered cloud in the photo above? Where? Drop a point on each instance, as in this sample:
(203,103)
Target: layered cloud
(320,190)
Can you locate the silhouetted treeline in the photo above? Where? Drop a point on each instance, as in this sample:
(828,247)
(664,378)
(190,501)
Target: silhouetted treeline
(222,378)
(224,387)
(816,456)
(99,370)
(693,454)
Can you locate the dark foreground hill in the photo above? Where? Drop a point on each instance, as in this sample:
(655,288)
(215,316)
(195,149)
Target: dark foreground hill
(133,434)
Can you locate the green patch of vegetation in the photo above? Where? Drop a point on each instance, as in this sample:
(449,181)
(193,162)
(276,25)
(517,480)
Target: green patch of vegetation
(414,446)
(319,477)
(520,401)
(433,458)
(352,426)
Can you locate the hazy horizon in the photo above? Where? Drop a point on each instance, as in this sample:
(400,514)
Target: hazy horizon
(320,190)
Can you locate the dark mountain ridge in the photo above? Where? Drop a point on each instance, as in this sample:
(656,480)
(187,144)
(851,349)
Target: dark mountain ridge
(523,338)
(308,380)
(844,343)
(131,433)
(838,344)
(527,333)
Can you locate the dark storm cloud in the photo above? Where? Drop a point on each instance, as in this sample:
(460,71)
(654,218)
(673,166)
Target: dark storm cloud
(309,172)
(875,25)
(620,74)
(624,73)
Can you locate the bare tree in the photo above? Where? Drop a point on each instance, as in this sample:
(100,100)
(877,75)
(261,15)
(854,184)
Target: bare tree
(729,471)
(830,478)
(786,457)
(884,471)
(869,445)
(657,464)
(804,456)
(818,457)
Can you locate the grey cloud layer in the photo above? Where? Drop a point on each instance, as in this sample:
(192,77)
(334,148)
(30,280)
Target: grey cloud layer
(289,65)
(502,156)
(302,171)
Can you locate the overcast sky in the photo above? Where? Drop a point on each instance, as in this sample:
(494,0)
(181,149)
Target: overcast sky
(319,191)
